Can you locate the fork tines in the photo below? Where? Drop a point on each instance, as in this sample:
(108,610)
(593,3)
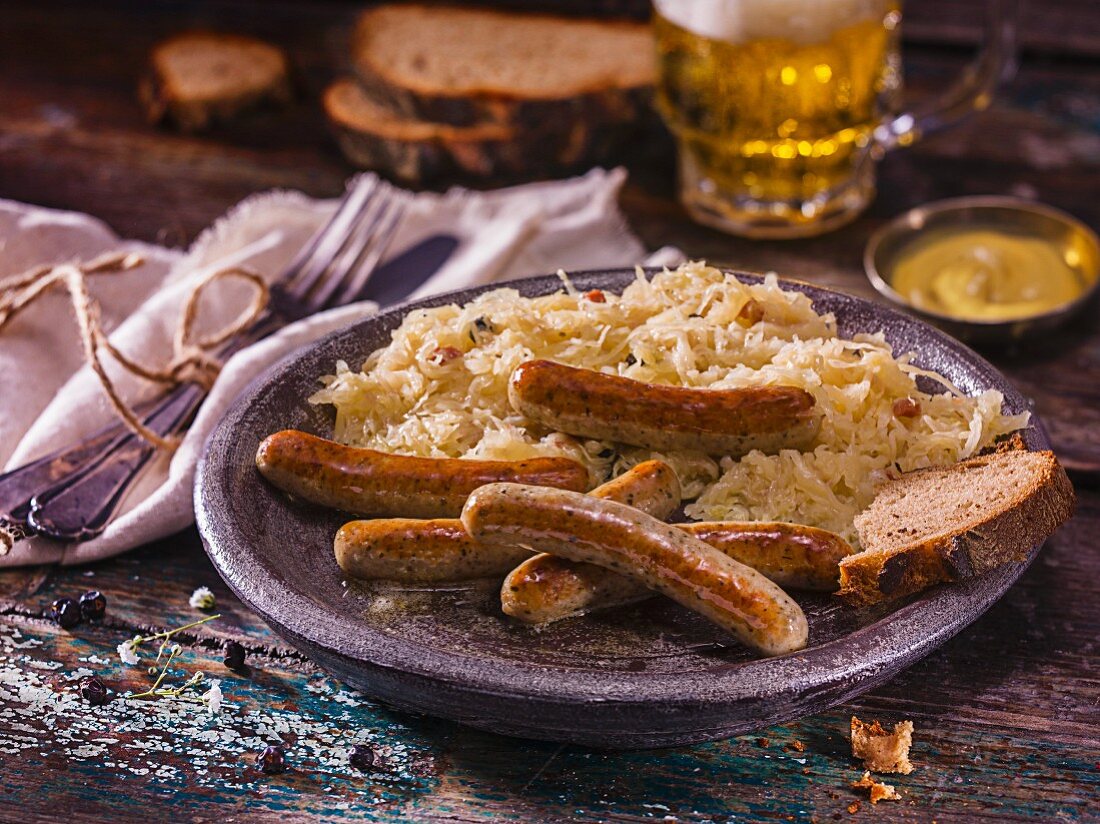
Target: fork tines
(337,263)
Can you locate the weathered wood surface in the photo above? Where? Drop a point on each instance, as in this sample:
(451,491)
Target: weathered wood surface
(1007,714)
(1006,723)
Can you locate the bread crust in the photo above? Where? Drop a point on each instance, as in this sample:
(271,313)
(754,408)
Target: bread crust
(571,132)
(609,104)
(1005,537)
(420,151)
(426,151)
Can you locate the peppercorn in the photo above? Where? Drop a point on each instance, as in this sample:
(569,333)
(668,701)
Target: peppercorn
(93,605)
(234,655)
(65,612)
(273,759)
(364,757)
(94,691)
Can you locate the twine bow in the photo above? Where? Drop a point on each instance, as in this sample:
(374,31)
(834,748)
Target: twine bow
(191,360)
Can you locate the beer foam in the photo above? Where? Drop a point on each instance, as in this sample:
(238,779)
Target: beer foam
(738,21)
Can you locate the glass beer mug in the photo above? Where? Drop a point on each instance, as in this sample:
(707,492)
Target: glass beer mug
(781,108)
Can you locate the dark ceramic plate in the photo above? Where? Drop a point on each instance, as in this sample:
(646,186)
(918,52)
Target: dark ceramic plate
(643,676)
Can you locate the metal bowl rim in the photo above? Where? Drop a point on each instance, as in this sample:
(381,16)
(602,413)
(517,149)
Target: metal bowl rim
(904,221)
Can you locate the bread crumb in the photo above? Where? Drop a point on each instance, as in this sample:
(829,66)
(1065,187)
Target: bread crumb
(798,745)
(853,808)
(1013,443)
(762,742)
(879,791)
(880,750)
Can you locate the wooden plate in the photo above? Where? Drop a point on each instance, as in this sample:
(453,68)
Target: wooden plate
(648,675)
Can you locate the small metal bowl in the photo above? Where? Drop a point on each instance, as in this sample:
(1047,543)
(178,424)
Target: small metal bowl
(1020,217)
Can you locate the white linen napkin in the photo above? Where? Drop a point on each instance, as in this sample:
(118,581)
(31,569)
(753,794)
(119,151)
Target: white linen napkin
(48,398)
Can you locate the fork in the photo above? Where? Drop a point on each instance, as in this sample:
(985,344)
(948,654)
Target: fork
(74,494)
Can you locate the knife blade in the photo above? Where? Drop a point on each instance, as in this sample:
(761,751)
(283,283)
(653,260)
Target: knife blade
(407,271)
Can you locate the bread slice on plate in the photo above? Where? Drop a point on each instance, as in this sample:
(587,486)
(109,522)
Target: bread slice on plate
(465,66)
(199,77)
(953,522)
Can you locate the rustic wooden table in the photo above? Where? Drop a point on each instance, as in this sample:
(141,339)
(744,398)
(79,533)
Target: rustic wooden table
(1007,714)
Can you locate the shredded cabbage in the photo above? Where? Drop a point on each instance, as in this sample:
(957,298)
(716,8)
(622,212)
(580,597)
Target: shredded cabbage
(439,389)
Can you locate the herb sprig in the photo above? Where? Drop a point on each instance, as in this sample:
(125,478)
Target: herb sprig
(128,652)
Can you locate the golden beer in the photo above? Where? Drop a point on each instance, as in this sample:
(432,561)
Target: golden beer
(774,103)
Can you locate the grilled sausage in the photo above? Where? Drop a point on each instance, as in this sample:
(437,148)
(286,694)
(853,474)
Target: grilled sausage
(581,528)
(546,588)
(431,551)
(651,486)
(791,555)
(415,551)
(609,407)
(367,482)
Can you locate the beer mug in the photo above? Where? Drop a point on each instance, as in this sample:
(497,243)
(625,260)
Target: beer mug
(781,108)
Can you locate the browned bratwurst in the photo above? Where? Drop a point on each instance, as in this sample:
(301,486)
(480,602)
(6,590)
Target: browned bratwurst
(581,528)
(546,588)
(792,555)
(367,482)
(430,551)
(609,407)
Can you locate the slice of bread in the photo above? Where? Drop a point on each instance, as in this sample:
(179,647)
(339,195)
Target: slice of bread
(199,77)
(465,66)
(953,522)
(415,151)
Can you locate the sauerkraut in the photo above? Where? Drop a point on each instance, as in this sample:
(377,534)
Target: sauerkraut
(439,389)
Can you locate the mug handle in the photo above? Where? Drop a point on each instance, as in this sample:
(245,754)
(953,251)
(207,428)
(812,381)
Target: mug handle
(972,92)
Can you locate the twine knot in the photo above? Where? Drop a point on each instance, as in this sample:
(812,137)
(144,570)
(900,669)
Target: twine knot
(192,359)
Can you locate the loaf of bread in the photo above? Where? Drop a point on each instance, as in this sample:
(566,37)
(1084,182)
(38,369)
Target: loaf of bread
(953,522)
(196,78)
(480,93)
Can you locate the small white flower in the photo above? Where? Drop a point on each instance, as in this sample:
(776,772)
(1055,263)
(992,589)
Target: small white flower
(127,650)
(213,697)
(202,598)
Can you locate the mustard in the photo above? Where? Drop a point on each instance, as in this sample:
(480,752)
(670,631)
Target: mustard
(984,274)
